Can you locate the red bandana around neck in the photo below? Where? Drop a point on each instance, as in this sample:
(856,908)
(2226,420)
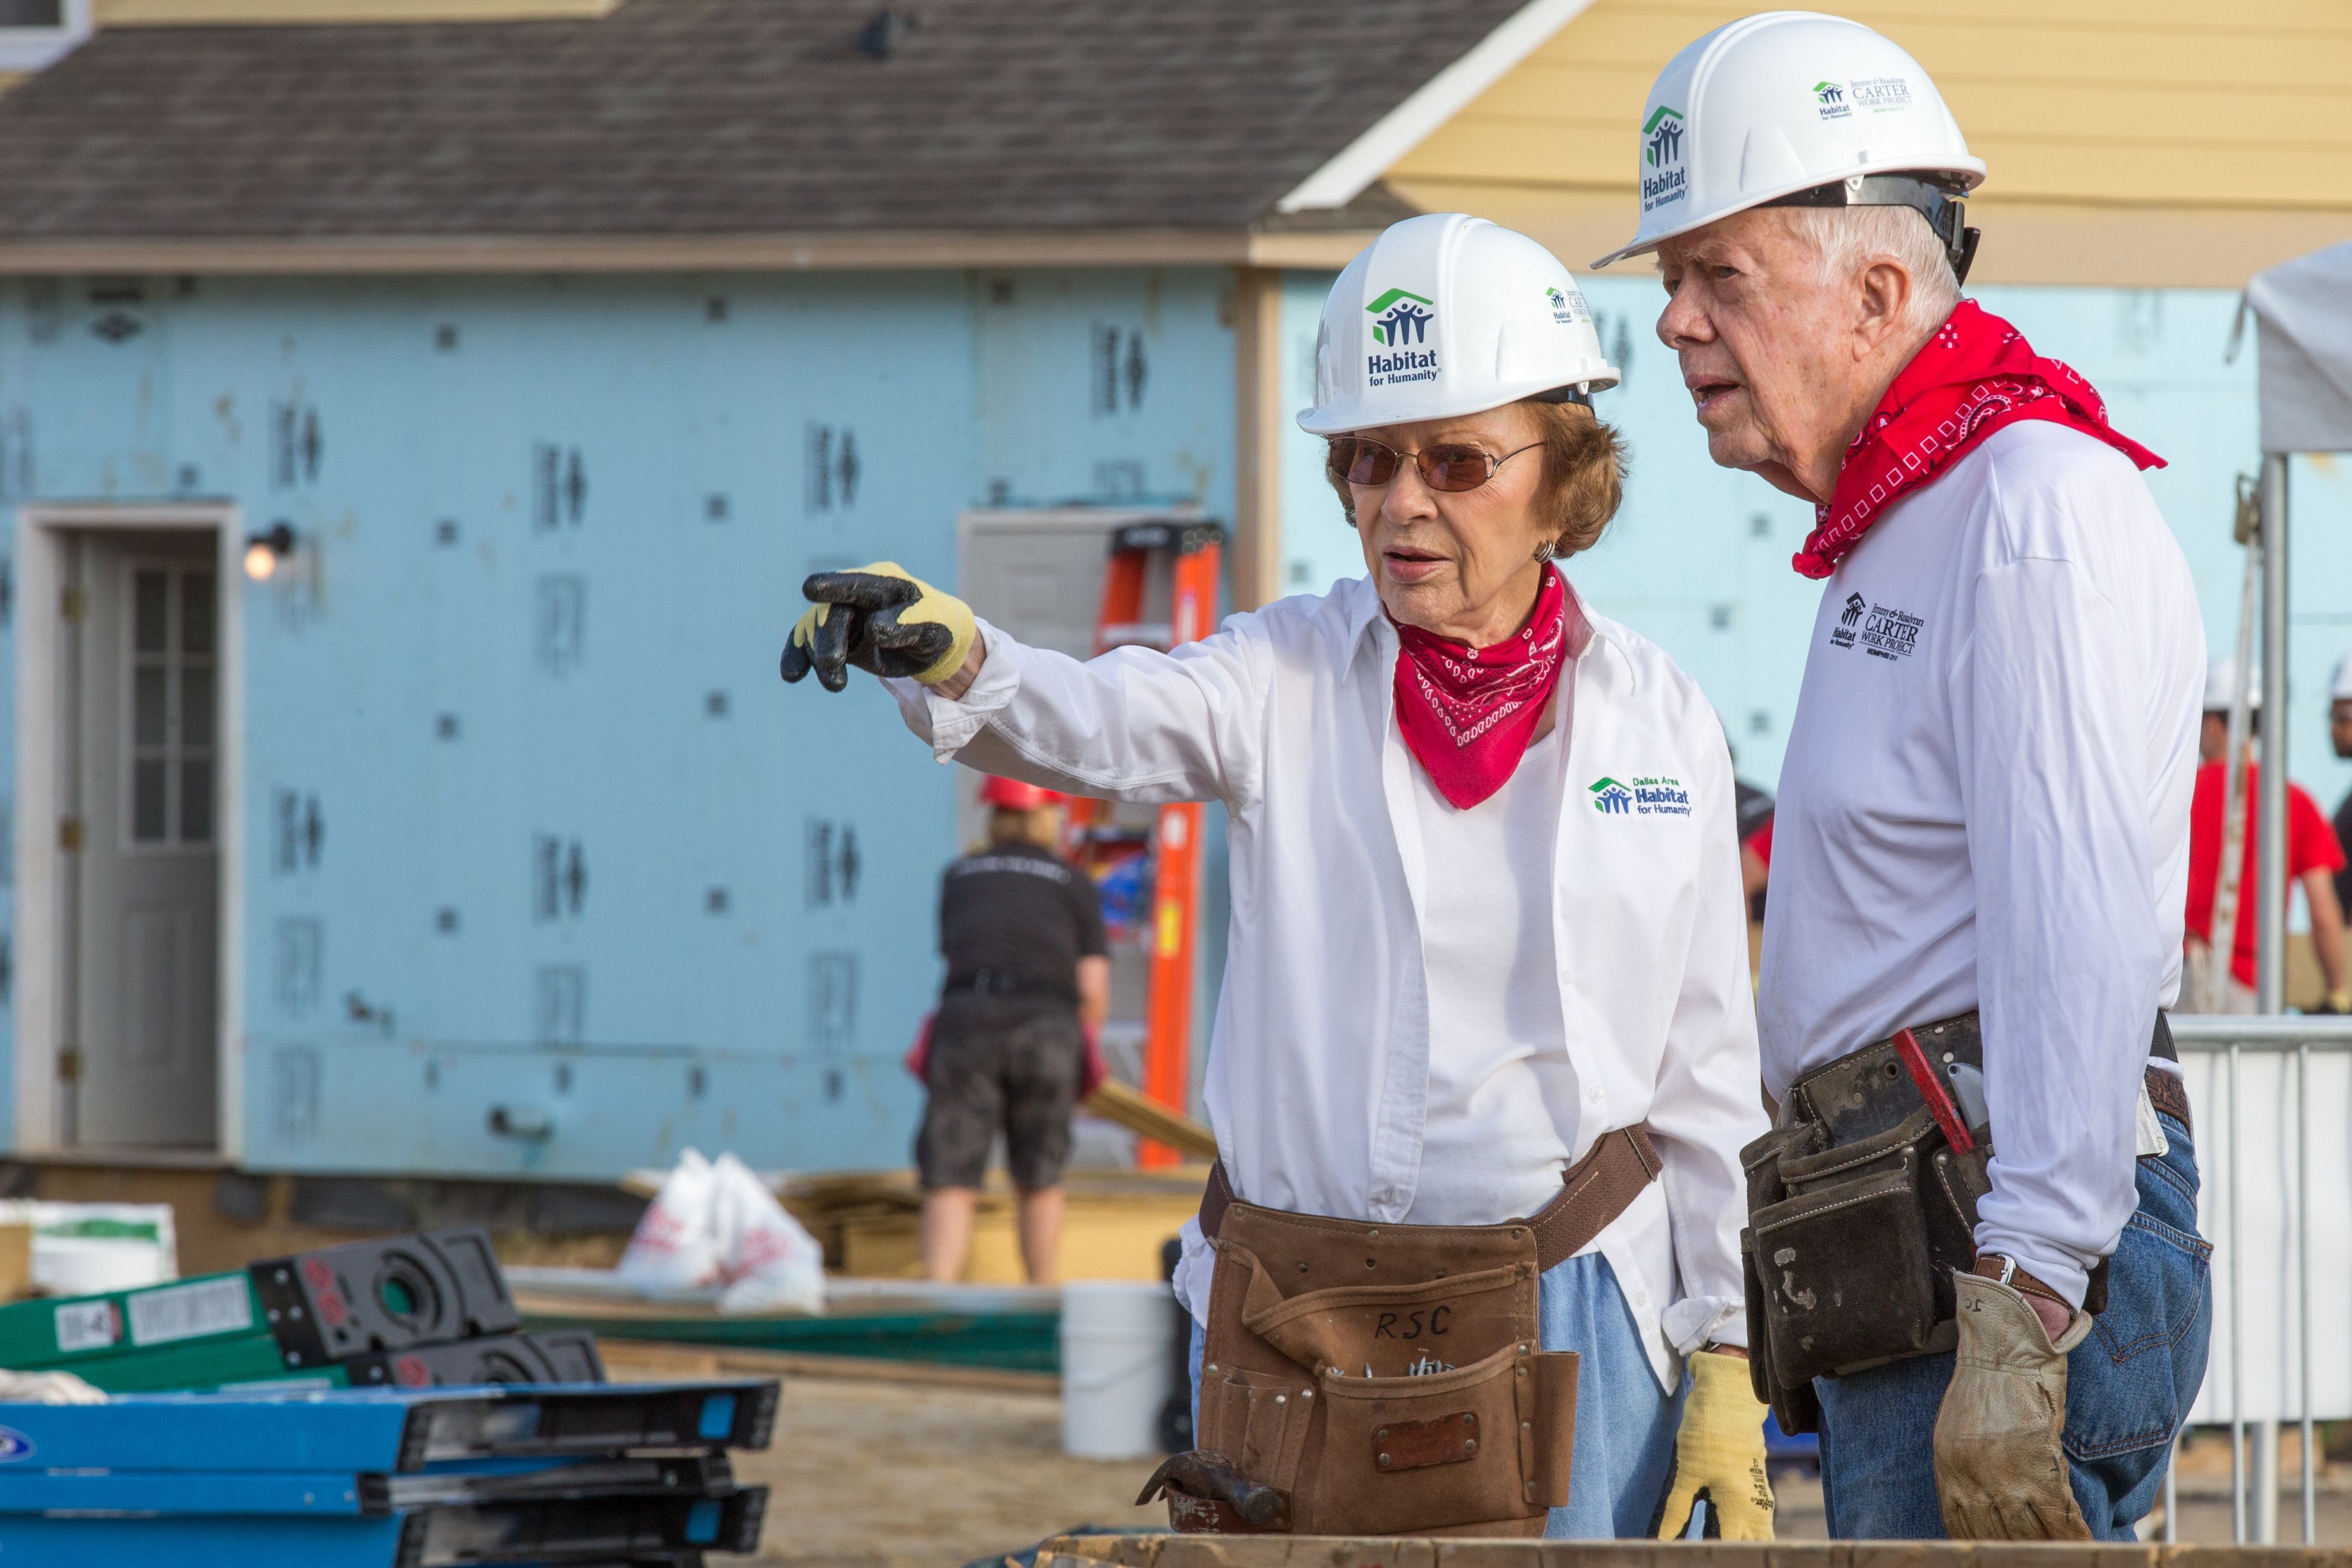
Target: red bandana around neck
(1467,714)
(1976,374)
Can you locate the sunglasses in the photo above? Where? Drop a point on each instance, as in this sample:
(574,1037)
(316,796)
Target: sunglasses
(1451,465)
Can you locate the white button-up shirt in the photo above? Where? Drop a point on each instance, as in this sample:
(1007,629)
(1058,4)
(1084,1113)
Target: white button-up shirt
(1985,804)
(1318,1074)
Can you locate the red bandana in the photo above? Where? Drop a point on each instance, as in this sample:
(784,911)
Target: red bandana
(1468,712)
(1976,374)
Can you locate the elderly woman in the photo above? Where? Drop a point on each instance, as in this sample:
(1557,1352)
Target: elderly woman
(1484,1056)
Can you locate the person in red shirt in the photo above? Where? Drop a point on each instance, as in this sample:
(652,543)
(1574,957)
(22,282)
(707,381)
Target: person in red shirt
(2313,859)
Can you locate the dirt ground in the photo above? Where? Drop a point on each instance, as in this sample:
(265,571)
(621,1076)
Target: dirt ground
(911,1475)
(867,1475)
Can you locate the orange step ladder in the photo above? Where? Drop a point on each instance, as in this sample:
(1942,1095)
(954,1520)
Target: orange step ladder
(1187,556)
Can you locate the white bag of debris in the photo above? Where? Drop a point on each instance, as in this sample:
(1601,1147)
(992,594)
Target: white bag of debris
(47,1388)
(676,1245)
(772,1263)
(714,1226)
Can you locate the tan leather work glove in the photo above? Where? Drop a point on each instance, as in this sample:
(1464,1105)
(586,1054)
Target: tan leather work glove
(1719,1455)
(880,618)
(2001,1473)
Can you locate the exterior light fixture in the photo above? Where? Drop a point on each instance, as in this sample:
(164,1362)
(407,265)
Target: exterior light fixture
(263,552)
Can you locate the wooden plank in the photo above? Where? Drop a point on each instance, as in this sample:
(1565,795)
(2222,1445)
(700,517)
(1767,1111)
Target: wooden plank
(1115,1102)
(1338,1552)
(1261,418)
(651,1360)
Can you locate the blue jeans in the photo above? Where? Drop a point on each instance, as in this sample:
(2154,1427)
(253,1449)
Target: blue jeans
(2128,1387)
(1625,1424)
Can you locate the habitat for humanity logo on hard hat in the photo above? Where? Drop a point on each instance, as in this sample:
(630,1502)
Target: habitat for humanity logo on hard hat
(1401,326)
(1569,308)
(1832,97)
(1662,150)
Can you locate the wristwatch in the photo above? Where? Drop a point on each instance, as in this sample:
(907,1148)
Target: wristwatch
(1994,1266)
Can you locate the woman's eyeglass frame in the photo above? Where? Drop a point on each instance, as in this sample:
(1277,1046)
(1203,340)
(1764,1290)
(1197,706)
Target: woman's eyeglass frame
(1443,467)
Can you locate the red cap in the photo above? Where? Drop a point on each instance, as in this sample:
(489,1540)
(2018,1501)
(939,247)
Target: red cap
(1012,795)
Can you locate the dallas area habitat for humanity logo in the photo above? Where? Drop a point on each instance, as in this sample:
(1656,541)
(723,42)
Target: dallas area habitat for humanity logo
(1645,797)
(1402,326)
(1662,150)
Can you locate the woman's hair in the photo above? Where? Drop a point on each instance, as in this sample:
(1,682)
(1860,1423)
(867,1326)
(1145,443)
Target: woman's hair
(1583,474)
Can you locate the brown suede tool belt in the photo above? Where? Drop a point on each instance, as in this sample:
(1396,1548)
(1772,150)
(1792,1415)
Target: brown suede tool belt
(1384,1379)
(1861,1203)
(1593,1192)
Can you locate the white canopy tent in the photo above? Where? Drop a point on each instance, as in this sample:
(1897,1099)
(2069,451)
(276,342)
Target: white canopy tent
(2304,308)
(2273,1127)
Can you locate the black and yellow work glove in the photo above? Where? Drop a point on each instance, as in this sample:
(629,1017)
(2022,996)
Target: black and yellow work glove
(880,617)
(1719,1456)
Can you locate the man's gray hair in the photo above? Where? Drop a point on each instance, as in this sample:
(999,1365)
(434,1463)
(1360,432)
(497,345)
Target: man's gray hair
(1846,239)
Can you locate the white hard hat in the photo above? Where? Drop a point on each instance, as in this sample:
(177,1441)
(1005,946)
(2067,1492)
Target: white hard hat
(2339,688)
(1445,314)
(2221,685)
(1796,109)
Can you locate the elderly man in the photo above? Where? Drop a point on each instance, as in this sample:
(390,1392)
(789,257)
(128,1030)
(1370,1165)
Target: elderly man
(1957,1265)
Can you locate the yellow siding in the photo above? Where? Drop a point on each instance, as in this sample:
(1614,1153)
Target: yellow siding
(166,13)
(2079,108)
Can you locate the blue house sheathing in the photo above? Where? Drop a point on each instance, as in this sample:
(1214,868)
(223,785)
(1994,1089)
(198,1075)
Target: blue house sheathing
(529,824)
(578,853)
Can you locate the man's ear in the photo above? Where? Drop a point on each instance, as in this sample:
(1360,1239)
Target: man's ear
(1884,300)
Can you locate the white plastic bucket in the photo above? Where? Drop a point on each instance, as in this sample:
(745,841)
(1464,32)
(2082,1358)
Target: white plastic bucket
(1118,1344)
(85,1265)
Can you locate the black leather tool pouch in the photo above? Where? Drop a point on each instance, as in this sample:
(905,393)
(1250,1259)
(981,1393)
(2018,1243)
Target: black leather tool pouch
(1844,1267)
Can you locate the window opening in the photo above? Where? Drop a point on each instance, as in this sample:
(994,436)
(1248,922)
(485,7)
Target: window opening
(173,709)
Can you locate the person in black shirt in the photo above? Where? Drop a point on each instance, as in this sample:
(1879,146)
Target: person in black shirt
(1021,930)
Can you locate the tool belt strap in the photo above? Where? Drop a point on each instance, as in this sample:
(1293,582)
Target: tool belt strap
(2169,1094)
(1594,1191)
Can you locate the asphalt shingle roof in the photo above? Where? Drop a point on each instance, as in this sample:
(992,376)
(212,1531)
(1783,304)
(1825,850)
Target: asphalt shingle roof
(716,117)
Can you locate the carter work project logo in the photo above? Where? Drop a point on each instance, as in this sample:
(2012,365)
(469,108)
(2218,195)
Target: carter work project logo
(1831,98)
(1881,95)
(1403,327)
(1883,632)
(1612,798)
(1662,150)
(1406,319)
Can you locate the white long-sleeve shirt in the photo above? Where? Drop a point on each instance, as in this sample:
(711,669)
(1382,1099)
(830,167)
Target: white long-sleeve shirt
(1318,1080)
(1501,1087)
(1985,804)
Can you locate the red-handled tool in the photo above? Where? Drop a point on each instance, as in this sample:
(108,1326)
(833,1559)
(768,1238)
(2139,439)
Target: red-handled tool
(1930,1084)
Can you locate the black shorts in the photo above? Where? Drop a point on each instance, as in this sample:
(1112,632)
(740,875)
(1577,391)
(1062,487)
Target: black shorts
(993,1068)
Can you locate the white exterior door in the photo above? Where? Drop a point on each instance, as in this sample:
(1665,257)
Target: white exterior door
(142,789)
